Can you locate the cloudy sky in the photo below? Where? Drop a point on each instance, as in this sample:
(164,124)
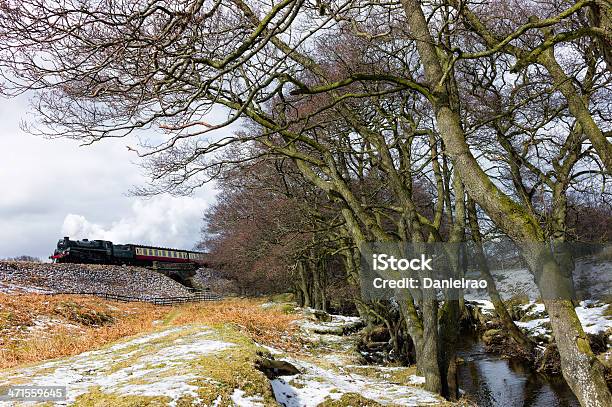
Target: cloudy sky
(55,188)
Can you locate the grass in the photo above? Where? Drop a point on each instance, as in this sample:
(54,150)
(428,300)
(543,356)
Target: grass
(267,326)
(212,376)
(39,327)
(608,311)
(96,398)
(350,400)
(36,327)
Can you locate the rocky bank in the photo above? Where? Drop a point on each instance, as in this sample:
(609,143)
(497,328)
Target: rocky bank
(87,278)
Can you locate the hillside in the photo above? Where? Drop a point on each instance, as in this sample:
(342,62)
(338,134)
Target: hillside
(199,354)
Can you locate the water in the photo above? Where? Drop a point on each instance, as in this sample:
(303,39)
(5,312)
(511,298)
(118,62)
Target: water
(495,382)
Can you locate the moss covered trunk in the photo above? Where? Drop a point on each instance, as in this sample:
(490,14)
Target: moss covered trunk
(582,372)
(483,266)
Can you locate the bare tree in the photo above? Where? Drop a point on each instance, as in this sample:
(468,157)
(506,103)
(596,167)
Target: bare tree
(344,91)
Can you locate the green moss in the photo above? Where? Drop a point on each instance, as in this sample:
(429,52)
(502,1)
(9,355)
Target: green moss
(187,401)
(287,308)
(96,398)
(584,346)
(135,355)
(394,376)
(350,400)
(608,311)
(298,384)
(231,369)
(155,365)
(125,363)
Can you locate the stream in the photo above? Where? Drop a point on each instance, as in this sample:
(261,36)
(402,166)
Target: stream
(492,381)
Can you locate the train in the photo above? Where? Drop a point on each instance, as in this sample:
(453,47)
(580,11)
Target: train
(106,252)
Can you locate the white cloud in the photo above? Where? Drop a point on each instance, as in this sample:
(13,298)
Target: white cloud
(160,221)
(49,188)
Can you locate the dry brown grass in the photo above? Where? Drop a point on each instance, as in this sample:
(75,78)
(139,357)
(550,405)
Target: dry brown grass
(75,324)
(38,327)
(269,326)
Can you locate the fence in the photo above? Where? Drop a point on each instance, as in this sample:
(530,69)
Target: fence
(198,296)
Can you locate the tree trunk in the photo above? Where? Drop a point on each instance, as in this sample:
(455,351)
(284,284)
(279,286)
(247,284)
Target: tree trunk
(304,284)
(428,353)
(351,261)
(581,370)
(500,309)
(449,332)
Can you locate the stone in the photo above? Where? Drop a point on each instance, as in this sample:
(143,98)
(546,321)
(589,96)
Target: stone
(274,368)
(127,281)
(489,336)
(322,316)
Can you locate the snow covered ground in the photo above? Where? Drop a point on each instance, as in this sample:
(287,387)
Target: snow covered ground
(594,316)
(332,369)
(336,371)
(315,385)
(153,365)
(166,367)
(337,326)
(592,280)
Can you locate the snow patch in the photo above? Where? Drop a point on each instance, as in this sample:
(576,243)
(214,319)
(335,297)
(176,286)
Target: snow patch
(414,379)
(593,318)
(157,371)
(239,398)
(145,339)
(535,327)
(315,384)
(336,326)
(9,288)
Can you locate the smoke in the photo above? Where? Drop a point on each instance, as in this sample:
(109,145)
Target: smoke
(161,221)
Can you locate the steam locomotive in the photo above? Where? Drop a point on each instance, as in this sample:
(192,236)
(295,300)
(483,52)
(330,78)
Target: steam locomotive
(105,252)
